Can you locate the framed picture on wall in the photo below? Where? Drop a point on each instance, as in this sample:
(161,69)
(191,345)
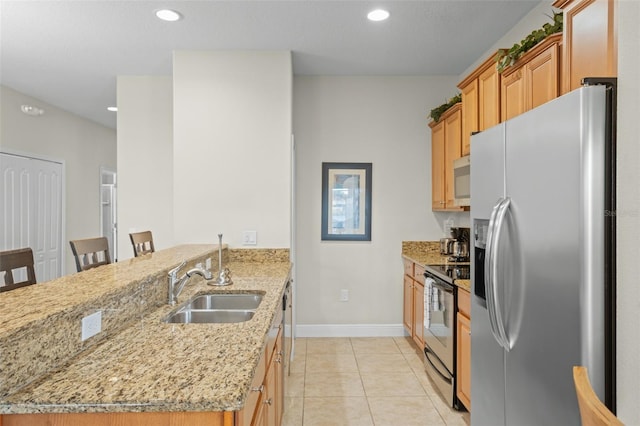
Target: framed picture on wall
(346,201)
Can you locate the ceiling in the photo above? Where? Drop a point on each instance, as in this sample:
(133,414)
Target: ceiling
(69,53)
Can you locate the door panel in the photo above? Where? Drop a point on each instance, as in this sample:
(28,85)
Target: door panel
(31,194)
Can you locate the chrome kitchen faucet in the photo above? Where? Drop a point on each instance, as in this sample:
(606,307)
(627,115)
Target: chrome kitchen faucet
(175,290)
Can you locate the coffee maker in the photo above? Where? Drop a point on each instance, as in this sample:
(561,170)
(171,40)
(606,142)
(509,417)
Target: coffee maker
(457,245)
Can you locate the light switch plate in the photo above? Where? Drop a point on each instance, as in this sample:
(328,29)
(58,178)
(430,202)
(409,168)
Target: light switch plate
(91,325)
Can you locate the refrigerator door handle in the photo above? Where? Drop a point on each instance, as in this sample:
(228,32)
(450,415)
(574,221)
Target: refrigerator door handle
(502,212)
(488,273)
(491,265)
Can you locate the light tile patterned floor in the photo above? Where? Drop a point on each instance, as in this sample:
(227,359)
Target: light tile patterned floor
(368,381)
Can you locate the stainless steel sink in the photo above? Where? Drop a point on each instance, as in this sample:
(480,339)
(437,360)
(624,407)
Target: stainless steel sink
(209,316)
(216,308)
(225,301)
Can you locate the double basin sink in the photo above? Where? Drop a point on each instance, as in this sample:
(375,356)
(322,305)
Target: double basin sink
(216,308)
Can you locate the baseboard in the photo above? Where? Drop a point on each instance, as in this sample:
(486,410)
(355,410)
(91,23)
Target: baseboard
(350,330)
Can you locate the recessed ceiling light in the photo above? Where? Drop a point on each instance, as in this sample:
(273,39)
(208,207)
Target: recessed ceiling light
(378,15)
(112,109)
(168,15)
(31,110)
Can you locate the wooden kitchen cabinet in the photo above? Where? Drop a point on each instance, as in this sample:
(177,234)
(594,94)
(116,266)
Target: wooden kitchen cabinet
(413,306)
(407,310)
(469,94)
(589,40)
(463,352)
(271,405)
(480,92)
(437,166)
(418,313)
(533,80)
(446,145)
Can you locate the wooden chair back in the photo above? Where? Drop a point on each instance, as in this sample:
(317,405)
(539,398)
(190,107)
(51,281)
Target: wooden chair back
(142,243)
(592,411)
(11,260)
(90,253)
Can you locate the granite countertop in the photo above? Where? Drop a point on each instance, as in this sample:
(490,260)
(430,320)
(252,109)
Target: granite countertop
(428,253)
(151,365)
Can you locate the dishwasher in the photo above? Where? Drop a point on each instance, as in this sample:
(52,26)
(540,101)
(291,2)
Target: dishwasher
(287,317)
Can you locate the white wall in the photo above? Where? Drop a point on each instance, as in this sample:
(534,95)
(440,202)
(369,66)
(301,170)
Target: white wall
(232,133)
(83,145)
(145,160)
(628,212)
(381,120)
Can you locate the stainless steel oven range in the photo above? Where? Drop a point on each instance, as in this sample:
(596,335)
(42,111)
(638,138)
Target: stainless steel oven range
(440,326)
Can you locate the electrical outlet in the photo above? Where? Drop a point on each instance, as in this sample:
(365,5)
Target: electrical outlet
(91,325)
(249,238)
(344,295)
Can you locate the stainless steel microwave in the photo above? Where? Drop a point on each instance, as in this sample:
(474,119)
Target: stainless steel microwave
(462,181)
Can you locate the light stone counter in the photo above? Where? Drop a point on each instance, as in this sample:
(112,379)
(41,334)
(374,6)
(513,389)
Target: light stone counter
(428,253)
(149,365)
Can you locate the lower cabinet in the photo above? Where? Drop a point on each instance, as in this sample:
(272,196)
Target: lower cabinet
(265,403)
(418,314)
(463,355)
(413,301)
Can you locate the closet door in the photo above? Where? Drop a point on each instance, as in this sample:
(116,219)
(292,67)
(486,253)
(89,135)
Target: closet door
(31,214)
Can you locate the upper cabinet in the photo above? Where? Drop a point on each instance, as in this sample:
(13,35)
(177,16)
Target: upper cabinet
(533,80)
(446,142)
(480,100)
(590,40)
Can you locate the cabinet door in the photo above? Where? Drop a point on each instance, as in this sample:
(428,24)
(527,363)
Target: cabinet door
(488,98)
(269,402)
(513,95)
(245,416)
(463,365)
(279,378)
(453,148)
(437,167)
(542,78)
(469,114)
(589,41)
(418,313)
(407,312)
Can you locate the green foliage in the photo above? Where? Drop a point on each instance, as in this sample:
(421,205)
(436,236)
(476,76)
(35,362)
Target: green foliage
(438,111)
(507,57)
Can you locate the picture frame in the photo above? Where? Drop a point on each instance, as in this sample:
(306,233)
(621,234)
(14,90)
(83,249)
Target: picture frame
(346,201)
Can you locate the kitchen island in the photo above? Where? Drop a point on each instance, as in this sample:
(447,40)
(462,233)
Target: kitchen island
(138,363)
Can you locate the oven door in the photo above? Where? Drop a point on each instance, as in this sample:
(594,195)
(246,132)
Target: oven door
(439,322)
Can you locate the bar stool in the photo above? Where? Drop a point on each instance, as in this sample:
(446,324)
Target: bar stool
(11,260)
(90,253)
(142,243)
(592,411)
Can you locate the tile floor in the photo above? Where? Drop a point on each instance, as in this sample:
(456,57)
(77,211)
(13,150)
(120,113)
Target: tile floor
(363,381)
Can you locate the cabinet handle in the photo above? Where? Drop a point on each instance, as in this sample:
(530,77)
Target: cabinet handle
(258,389)
(268,401)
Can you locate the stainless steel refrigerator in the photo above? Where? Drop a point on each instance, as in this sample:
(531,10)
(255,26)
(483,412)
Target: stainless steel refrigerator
(543,260)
